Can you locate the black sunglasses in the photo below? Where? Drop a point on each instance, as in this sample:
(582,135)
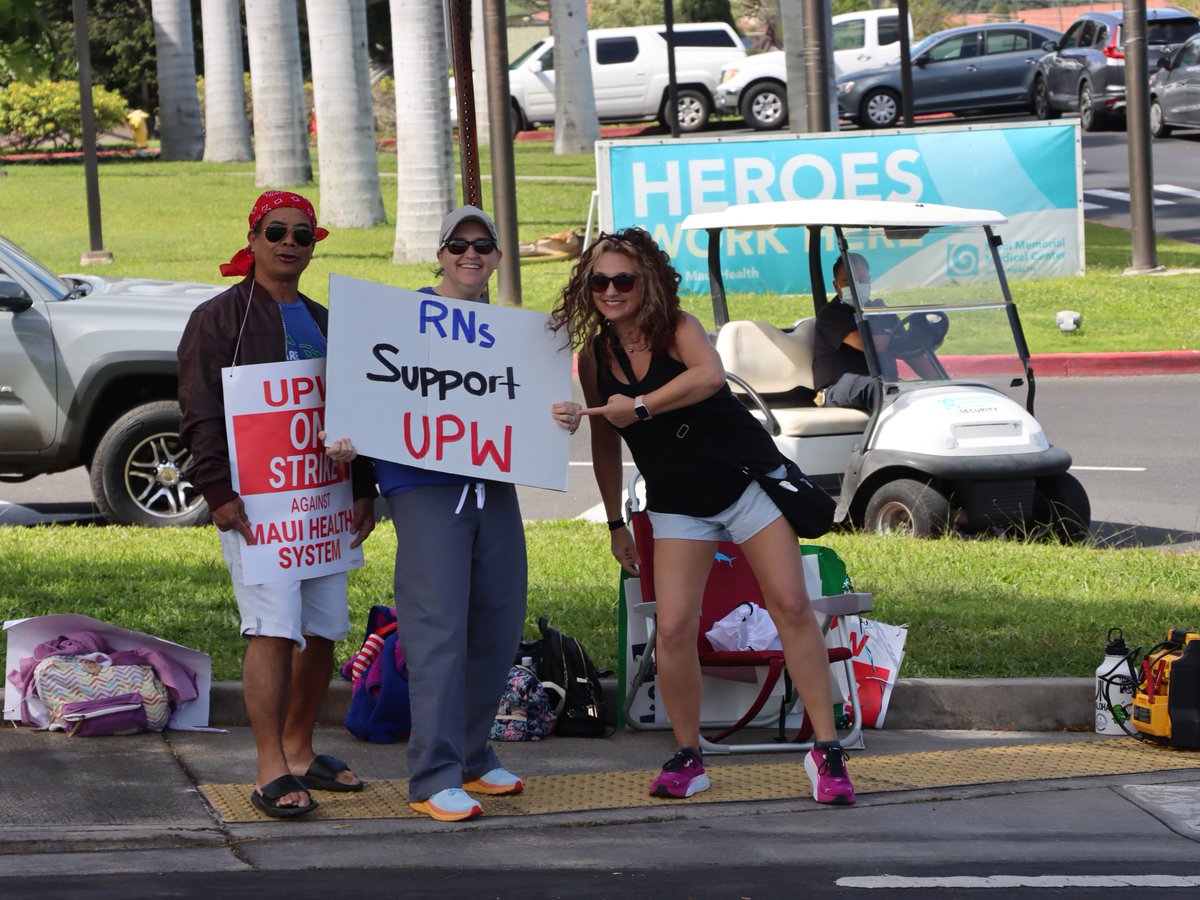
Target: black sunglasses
(458,246)
(623,283)
(301,234)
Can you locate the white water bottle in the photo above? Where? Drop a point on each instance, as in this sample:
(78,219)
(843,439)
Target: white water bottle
(1115,686)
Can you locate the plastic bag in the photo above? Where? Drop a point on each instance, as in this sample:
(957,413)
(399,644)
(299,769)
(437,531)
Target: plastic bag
(746,627)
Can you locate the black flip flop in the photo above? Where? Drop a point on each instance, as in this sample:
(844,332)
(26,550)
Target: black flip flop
(267,800)
(322,776)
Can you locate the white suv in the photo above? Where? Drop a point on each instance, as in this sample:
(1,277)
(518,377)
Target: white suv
(756,87)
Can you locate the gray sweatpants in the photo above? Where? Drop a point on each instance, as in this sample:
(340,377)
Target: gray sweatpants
(461,583)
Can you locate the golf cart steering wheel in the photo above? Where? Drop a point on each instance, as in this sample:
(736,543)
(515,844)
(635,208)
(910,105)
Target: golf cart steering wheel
(918,332)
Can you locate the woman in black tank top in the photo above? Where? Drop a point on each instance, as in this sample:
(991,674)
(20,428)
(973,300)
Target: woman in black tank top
(651,377)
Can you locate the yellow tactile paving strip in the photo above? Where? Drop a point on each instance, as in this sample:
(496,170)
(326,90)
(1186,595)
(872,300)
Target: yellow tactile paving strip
(732,781)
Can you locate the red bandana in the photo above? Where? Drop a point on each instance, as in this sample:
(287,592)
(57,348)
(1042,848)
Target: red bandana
(243,261)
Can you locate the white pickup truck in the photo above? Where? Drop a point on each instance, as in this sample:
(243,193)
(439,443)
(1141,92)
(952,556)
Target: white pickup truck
(629,74)
(756,88)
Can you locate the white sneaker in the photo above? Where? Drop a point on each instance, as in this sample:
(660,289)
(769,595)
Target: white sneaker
(450,805)
(497,781)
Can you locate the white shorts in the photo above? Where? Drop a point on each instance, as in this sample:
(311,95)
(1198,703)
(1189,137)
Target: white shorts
(746,517)
(287,609)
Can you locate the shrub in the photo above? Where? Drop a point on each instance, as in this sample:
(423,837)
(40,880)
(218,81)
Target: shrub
(48,111)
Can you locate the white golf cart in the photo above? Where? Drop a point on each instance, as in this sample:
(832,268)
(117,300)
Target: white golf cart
(955,447)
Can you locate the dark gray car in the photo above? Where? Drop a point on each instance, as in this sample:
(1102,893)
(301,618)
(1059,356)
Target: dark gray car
(1085,71)
(1175,91)
(976,68)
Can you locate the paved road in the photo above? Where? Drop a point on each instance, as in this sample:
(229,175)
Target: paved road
(1142,491)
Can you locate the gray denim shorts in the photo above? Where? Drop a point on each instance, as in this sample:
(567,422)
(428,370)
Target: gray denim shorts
(746,517)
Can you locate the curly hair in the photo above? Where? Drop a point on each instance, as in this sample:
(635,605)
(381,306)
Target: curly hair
(660,311)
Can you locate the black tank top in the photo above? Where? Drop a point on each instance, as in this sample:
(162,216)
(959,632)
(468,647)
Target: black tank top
(691,458)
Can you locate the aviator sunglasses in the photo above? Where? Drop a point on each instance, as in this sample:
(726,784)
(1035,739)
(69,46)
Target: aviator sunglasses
(458,246)
(623,283)
(301,234)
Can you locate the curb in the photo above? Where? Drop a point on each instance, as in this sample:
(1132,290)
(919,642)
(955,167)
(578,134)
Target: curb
(949,704)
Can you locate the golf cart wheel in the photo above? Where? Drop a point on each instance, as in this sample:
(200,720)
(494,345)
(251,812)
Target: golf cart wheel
(765,106)
(1041,101)
(1091,118)
(1061,509)
(1158,127)
(880,109)
(909,507)
(138,473)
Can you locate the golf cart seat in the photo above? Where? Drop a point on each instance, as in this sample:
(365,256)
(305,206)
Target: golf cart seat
(768,363)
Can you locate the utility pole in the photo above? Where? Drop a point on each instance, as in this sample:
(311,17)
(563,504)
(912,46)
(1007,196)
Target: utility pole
(906,88)
(672,81)
(816,65)
(1137,121)
(504,177)
(91,171)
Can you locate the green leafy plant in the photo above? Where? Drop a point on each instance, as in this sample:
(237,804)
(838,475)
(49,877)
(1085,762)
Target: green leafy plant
(48,112)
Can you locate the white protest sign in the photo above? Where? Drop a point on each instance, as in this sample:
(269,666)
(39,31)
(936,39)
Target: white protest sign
(299,502)
(447,385)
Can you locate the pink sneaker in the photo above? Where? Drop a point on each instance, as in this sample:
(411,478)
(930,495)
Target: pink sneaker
(682,776)
(826,769)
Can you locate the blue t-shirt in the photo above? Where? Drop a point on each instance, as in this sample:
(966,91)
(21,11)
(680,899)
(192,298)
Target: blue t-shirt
(396,478)
(300,332)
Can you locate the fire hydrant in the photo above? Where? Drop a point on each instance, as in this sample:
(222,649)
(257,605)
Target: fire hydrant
(137,126)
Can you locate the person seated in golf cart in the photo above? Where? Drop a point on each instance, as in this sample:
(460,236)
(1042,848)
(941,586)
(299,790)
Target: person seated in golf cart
(840,369)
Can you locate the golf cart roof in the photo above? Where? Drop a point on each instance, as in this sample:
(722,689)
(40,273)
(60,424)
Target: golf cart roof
(846,213)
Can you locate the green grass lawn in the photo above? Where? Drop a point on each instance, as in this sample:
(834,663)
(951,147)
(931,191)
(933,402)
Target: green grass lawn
(975,608)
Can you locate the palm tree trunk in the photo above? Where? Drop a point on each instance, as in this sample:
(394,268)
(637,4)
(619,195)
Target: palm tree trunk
(277,88)
(576,127)
(349,170)
(424,161)
(226,126)
(483,119)
(175,58)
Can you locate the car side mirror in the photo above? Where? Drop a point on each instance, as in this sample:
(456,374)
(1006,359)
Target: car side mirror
(1164,62)
(920,61)
(1050,46)
(15,304)
(535,65)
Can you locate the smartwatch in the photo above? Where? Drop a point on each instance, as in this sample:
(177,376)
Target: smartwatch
(640,410)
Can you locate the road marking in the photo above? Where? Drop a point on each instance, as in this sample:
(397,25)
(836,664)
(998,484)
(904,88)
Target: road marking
(893,882)
(1122,196)
(1086,206)
(1108,468)
(588,462)
(1176,189)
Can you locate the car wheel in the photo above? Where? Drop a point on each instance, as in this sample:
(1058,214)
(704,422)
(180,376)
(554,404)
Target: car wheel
(1041,101)
(1061,509)
(1158,127)
(1089,116)
(908,507)
(765,107)
(693,110)
(518,121)
(880,109)
(139,472)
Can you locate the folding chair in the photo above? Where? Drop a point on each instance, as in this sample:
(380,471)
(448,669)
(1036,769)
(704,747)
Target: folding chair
(731,583)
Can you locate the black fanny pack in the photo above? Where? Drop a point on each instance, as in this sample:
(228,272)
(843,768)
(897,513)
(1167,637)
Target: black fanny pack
(803,503)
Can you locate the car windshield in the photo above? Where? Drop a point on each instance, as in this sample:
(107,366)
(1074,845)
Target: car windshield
(936,308)
(516,63)
(55,286)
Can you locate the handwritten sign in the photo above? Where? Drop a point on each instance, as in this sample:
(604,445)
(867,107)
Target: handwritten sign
(299,502)
(447,385)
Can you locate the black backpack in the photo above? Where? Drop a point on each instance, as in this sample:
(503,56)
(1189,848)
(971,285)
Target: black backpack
(561,661)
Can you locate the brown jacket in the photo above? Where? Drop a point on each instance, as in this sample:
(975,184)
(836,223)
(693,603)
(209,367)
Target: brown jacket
(208,346)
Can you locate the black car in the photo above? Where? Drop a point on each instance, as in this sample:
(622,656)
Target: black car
(1175,91)
(972,69)
(1085,71)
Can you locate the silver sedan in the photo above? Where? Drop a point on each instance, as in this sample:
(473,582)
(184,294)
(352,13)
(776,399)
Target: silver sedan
(974,69)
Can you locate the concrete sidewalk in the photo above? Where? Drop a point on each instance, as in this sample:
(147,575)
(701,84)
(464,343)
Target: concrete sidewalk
(156,803)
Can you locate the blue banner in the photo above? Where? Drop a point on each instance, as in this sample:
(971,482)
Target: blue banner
(1031,172)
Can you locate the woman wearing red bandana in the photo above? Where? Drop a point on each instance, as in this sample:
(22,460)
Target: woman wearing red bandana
(291,626)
